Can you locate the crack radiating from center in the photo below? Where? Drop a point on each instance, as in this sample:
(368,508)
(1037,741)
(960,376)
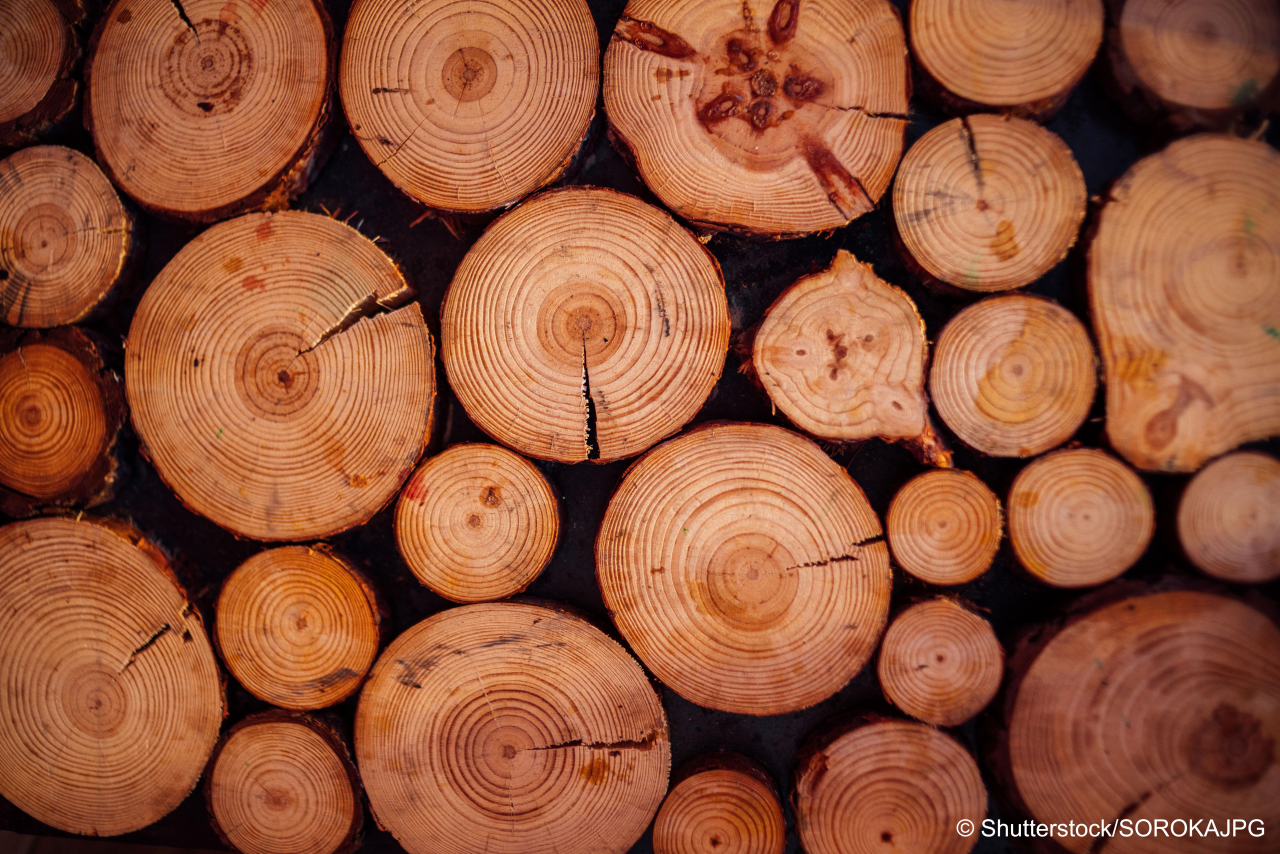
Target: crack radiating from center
(592,440)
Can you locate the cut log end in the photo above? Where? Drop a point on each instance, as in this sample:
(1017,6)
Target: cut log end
(477,523)
(945,527)
(940,662)
(1229,518)
(987,203)
(724,804)
(1014,376)
(37,90)
(298,627)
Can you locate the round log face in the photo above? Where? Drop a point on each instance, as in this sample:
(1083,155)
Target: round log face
(1079,518)
(297,627)
(1229,518)
(732,559)
(1167,706)
(110,718)
(199,110)
(888,785)
(776,119)
(1204,54)
(64,236)
(274,388)
(945,526)
(282,784)
(585,324)
(511,728)
(988,203)
(729,808)
(1014,376)
(38,47)
(1182,277)
(470,108)
(477,522)
(1004,53)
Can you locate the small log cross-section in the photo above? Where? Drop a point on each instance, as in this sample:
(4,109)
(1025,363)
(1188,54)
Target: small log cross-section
(584,325)
(477,523)
(204,109)
(887,785)
(944,527)
(1229,518)
(1196,62)
(470,107)
(298,627)
(1009,56)
(721,803)
(60,412)
(65,239)
(513,729)
(842,354)
(1014,376)
(1079,517)
(40,50)
(1182,286)
(745,568)
(284,782)
(280,378)
(988,203)
(1167,704)
(111,696)
(774,118)
(940,662)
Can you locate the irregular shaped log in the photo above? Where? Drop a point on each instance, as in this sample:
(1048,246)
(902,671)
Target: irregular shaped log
(842,354)
(283,781)
(1229,518)
(745,568)
(586,324)
(112,698)
(1182,276)
(511,728)
(1014,376)
(1021,59)
(60,412)
(1195,62)
(205,109)
(298,627)
(470,108)
(944,527)
(1079,518)
(37,89)
(477,523)
(774,119)
(66,241)
(1167,703)
(886,785)
(988,203)
(940,662)
(280,390)
(722,803)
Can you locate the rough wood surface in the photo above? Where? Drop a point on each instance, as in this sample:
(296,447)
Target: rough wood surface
(585,324)
(470,107)
(112,698)
(39,49)
(1182,287)
(477,523)
(1229,518)
(279,389)
(205,109)
(65,238)
(1014,57)
(298,627)
(284,782)
(511,728)
(722,803)
(944,527)
(745,568)
(1014,376)
(773,119)
(988,203)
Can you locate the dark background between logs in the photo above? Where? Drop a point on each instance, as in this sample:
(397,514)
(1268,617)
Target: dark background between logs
(1105,144)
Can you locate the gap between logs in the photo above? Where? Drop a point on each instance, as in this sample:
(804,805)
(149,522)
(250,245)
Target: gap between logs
(145,645)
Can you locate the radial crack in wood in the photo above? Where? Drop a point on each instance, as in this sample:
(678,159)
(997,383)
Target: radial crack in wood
(1229,518)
